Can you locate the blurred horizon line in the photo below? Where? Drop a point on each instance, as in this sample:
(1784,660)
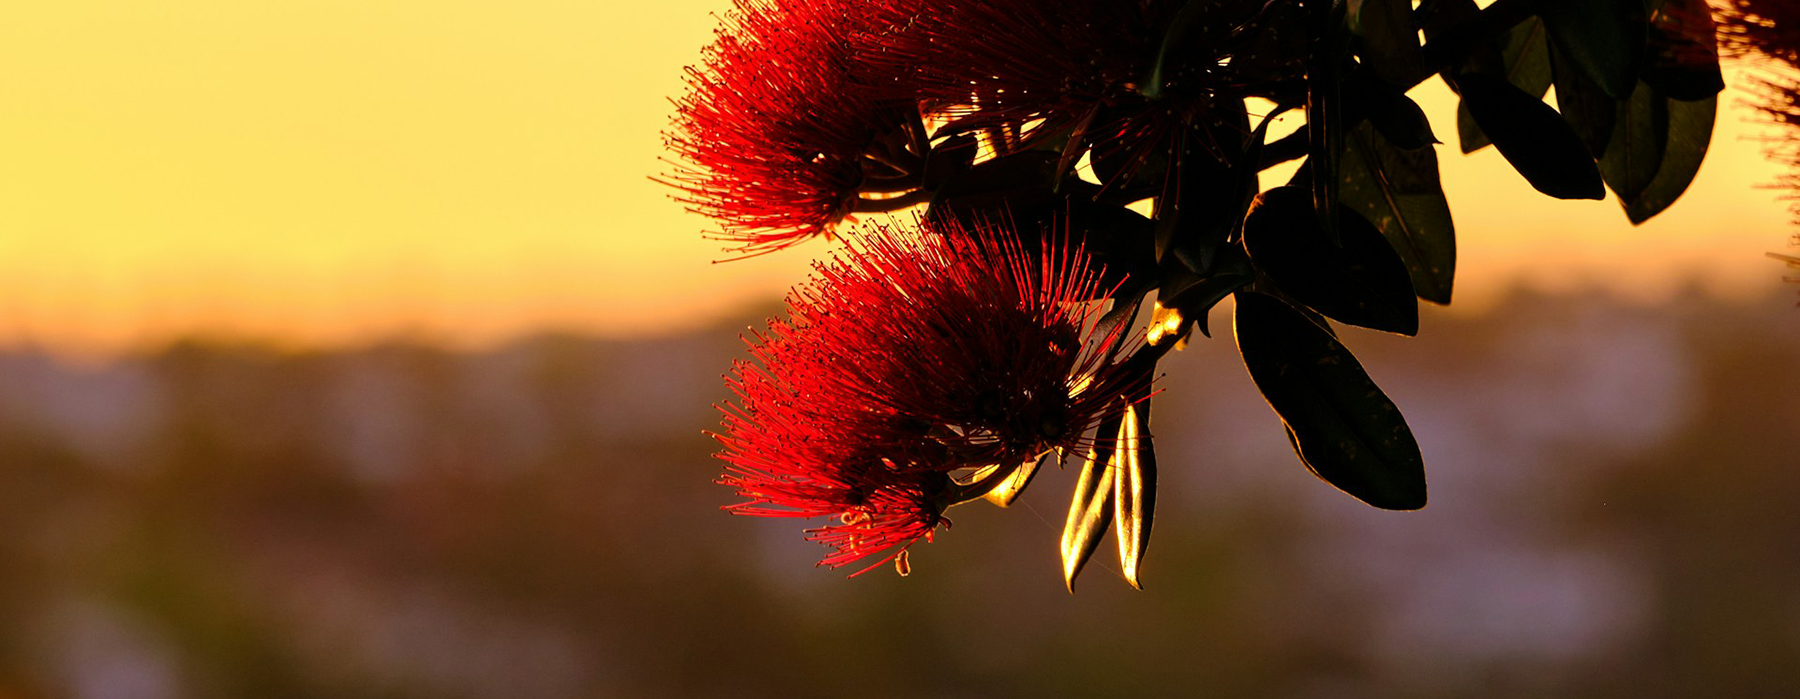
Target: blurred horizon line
(1698,285)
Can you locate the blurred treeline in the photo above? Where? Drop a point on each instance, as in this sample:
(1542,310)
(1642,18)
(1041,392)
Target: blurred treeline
(1615,513)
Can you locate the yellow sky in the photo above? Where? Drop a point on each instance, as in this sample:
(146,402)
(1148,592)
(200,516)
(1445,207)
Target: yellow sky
(336,171)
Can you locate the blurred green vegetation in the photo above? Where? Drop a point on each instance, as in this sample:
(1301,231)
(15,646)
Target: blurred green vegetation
(1613,514)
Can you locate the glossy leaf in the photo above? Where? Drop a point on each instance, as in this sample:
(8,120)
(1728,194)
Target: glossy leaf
(1090,508)
(1604,39)
(1348,433)
(1360,282)
(1522,59)
(1398,191)
(1533,137)
(1009,489)
(1134,489)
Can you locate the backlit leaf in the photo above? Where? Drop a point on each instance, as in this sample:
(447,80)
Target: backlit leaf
(1604,39)
(1347,432)
(1398,191)
(1360,282)
(1533,137)
(1134,489)
(1523,59)
(1090,508)
(1690,133)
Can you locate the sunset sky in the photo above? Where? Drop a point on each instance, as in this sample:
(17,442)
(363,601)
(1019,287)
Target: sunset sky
(336,172)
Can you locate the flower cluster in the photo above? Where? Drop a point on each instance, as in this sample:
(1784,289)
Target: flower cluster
(785,132)
(912,358)
(928,365)
(806,113)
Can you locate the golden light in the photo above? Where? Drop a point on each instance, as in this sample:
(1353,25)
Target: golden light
(332,173)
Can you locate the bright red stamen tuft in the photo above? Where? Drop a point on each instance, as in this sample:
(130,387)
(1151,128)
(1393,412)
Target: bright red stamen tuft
(910,356)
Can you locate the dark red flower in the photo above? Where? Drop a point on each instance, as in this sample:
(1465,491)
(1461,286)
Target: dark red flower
(785,130)
(910,358)
(794,457)
(963,330)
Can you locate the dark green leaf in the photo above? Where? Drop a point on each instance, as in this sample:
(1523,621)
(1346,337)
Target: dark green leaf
(1398,191)
(1134,489)
(1522,59)
(1137,168)
(1197,177)
(1533,137)
(1090,509)
(1188,21)
(1635,152)
(1192,296)
(1388,38)
(1588,110)
(1395,115)
(1348,432)
(1214,180)
(1689,127)
(1362,282)
(1604,39)
(1403,123)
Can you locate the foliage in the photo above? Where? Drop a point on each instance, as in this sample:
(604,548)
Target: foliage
(985,109)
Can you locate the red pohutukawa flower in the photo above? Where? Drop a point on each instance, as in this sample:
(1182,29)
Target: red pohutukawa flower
(786,131)
(909,360)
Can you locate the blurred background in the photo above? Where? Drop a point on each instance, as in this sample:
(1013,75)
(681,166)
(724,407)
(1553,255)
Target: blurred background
(347,350)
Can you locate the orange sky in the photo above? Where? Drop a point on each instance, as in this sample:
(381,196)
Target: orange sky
(337,171)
